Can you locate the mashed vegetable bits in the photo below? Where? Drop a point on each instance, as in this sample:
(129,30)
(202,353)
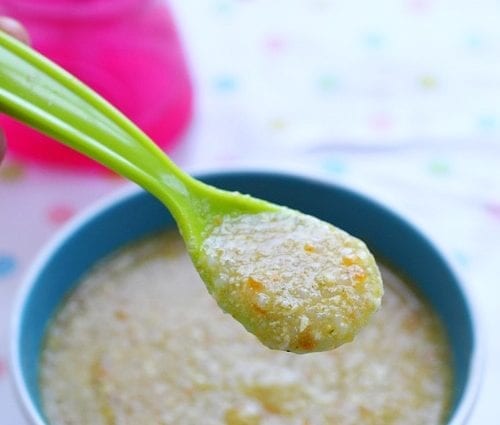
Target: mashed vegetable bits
(141,342)
(298,283)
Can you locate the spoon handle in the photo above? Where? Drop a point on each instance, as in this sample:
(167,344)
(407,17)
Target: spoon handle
(39,93)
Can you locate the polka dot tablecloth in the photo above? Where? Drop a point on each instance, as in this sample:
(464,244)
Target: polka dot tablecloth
(396,99)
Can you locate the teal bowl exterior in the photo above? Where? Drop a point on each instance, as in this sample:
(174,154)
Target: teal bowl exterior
(133,214)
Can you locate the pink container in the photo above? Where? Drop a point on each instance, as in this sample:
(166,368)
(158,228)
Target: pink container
(126,50)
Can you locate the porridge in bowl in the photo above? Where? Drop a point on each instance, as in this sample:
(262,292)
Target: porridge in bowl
(141,342)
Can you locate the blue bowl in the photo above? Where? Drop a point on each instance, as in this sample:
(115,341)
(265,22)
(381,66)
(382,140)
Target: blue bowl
(133,214)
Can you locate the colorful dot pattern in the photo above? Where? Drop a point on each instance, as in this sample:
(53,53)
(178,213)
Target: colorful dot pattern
(60,213)
(399,100)
(425,66)
(12,172)
(3,368)
(7,264)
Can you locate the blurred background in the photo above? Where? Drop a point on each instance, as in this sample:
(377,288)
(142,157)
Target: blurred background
(398,99)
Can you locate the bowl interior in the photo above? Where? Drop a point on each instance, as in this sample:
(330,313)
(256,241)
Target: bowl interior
(139,214)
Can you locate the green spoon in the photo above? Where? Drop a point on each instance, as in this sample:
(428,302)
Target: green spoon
(297,283)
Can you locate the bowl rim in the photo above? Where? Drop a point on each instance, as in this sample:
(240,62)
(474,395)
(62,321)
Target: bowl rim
(87,214)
